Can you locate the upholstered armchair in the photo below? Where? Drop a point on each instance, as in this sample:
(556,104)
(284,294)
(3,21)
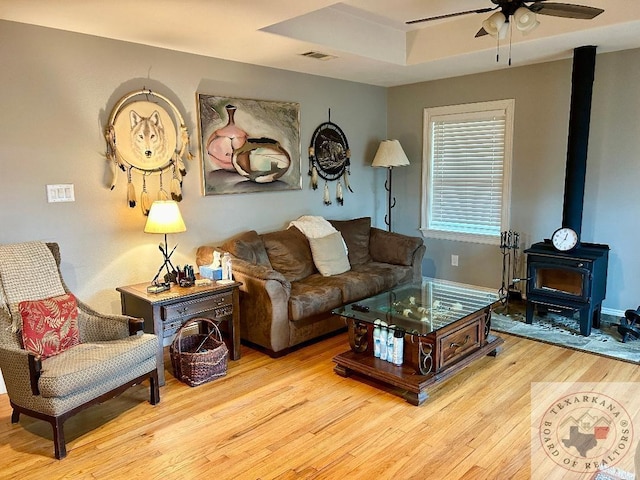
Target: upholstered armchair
(57,355)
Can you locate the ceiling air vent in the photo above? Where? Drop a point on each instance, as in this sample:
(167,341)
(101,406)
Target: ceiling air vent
(318,55)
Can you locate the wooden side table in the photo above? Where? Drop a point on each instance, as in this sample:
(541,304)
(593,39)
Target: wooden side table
(165,312)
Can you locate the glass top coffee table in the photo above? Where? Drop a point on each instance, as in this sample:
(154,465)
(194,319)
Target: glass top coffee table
(442,327)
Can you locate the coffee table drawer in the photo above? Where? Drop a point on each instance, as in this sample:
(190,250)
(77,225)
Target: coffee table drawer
(222,303)
(458,343)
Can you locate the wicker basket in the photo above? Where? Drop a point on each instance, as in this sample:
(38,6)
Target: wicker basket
(200,358)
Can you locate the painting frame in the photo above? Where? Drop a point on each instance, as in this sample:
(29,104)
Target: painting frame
(248,145)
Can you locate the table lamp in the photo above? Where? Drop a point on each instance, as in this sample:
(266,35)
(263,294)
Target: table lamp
(164,217)
(389,155)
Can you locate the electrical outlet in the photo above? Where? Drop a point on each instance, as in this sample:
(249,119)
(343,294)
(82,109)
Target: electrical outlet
(454,260)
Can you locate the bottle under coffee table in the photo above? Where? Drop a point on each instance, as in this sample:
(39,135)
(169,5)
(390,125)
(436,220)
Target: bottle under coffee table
(446,325)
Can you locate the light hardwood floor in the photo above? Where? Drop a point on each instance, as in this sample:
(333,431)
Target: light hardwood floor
(294,418)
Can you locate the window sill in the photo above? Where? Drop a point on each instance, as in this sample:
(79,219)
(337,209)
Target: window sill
(461,237)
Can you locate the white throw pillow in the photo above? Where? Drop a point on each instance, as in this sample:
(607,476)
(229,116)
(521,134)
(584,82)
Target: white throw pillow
(329,254)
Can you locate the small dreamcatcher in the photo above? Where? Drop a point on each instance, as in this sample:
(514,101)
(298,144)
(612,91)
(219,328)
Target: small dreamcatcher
(329,159)
(142,137)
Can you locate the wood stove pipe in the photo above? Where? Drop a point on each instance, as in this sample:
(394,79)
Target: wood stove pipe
(584,61)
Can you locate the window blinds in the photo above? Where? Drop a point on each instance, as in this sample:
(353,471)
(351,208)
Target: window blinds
(467,171)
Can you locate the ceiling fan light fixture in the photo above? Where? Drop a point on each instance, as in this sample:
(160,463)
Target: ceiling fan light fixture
(525,20)
(496,25)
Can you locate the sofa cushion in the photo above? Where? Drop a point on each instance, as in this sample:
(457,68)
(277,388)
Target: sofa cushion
(312,296)
(50,326)
(329,255)
(368,279)
(356,236)
(248,246)
(289,253)
(388,248)
(355,285)
(384,275)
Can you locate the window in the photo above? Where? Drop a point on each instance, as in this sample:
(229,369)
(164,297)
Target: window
(467,171)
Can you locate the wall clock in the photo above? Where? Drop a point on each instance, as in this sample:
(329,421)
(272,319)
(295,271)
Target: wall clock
(146,135)
(564,239)
(329,159)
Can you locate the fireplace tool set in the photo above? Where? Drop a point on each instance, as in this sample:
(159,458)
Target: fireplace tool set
(510,247)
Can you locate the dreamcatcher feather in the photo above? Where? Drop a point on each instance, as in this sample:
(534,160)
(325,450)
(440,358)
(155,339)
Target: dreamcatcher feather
(176,186)
(145,199)
(162,193)
(174,162)
(326,196)
(347,172)
(131,190)
(109,136)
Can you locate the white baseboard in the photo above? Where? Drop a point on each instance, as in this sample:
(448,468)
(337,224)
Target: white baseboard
(611,311)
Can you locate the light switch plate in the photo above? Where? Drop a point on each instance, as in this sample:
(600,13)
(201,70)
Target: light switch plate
(60,193)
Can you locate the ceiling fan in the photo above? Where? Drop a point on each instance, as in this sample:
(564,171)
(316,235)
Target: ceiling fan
(523,13)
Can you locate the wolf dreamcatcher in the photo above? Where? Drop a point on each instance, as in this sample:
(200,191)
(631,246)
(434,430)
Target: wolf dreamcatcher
(142,137)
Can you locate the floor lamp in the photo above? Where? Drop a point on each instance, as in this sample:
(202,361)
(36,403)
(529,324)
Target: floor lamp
(164,217)
(389,155)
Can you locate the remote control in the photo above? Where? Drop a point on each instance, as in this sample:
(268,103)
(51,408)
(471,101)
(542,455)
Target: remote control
(359,307)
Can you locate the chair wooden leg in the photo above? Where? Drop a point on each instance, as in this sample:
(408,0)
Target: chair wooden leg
(58,438)
(15,416)
(154,388)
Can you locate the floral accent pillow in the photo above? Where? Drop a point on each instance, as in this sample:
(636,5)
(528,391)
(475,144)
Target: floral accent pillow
(50,326)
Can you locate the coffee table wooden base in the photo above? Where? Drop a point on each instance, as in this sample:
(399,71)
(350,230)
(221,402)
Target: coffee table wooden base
(405,377)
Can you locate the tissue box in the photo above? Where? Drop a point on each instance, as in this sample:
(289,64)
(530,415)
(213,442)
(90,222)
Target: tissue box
(211,273)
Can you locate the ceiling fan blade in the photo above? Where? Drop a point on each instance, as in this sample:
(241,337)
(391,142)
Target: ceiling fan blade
(566,10)
(481,33)
(449,15)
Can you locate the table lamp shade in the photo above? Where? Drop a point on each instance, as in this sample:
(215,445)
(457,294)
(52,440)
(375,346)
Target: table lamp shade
(165,217)
(390,154)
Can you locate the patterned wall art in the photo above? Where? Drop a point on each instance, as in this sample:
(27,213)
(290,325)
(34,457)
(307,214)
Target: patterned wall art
(146,135)
(329,159)
(249,145)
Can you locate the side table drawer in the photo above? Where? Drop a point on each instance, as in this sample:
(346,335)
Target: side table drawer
(458,343)
(169,329)
(222,303)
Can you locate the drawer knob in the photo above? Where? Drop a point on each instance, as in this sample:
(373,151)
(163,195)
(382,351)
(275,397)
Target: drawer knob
(183,310)
(458,345)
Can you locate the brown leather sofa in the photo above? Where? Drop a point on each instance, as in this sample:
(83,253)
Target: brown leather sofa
(285,301)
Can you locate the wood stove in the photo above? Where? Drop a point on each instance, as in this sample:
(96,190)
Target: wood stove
(576,280)
(567,282)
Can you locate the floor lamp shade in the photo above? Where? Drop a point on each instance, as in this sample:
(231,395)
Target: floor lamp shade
(389,155)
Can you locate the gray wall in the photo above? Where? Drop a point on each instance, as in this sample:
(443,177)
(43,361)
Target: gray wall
(542,93)
(57,90)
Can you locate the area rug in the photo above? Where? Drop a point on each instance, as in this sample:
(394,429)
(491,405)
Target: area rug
(565,332)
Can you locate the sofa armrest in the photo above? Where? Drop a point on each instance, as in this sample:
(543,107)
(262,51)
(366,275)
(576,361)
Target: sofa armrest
(264,304)
(258,271)
(397,249)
